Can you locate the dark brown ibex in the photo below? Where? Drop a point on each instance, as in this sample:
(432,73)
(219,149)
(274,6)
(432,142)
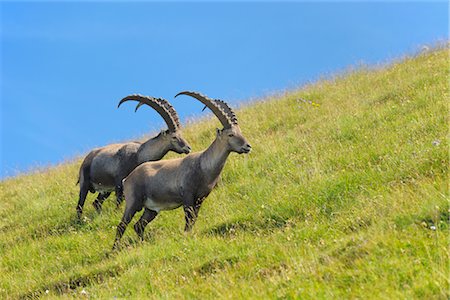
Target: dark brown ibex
(169,184)
(104,168)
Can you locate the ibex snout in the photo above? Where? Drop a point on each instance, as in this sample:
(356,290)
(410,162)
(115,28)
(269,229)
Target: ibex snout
(187,149)
(246,148)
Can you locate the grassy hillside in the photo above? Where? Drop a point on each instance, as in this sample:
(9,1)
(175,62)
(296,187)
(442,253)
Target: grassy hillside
(346,196)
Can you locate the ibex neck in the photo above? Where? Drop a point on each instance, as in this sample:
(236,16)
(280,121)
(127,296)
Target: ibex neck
(153,149)
(213,159)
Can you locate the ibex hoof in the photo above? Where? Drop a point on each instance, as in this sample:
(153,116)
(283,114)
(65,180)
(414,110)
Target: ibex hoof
(118,204)
(115,246)
(97,206)
(139,231)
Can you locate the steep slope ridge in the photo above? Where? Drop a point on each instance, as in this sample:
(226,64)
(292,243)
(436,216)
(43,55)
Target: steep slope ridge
(344,195)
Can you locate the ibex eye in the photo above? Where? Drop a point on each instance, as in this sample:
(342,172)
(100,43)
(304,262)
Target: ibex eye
(231,135)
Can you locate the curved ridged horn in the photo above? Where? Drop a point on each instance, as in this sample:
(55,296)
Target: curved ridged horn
(157,105)
(213,105)
(169,108)
(227,109)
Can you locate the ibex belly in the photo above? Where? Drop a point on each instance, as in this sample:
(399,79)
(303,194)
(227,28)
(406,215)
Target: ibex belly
(103,188)
(158,206)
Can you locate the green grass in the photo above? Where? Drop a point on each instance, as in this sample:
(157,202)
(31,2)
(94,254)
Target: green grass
(338,199)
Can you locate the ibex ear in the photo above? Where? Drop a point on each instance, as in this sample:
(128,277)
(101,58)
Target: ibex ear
(218,132)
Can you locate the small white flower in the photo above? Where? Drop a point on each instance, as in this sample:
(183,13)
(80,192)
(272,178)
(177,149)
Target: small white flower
(432,227)
(47,291)
(436,143)
(83,292)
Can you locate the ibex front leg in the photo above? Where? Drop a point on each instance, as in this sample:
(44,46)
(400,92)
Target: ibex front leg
(119,194)
(191,214)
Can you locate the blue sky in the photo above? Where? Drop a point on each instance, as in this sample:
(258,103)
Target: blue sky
(65,66)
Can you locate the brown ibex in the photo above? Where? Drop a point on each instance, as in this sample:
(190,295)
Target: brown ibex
(104,168)
(187,181)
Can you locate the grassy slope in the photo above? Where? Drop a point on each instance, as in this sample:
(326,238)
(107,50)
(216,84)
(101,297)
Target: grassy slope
(336,200)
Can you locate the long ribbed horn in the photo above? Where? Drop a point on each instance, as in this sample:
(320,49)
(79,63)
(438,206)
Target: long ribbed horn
(212,105)
(228,111)
(169,108)
(157,105)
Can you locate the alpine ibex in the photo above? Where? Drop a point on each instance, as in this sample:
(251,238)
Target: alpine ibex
(104,168)
(187,181)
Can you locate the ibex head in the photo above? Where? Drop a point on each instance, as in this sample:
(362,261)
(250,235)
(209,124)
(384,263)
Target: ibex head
(177,143)
(231,135)
(172,136)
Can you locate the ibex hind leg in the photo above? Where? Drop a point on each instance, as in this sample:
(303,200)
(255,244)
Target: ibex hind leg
(102,196)
(83,193)
(85,187)
(146,218)
(130,211)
